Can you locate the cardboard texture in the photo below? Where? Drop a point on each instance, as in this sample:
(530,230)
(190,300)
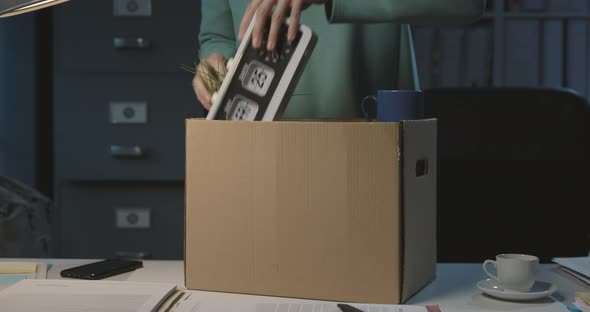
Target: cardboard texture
(310,209)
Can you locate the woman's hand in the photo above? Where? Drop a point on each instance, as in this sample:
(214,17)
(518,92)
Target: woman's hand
(282,9)
(216,61)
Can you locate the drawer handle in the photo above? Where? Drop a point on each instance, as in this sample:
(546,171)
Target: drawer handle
(119,151)
(131,43)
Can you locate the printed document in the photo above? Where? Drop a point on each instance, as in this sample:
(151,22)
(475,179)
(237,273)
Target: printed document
(88,296)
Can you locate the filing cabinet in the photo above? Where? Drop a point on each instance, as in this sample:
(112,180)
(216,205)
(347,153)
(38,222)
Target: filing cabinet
(120,104)
(128,219)
(90,38)
(95,140)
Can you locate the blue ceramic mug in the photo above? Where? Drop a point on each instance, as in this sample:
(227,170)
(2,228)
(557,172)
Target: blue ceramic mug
(394,105)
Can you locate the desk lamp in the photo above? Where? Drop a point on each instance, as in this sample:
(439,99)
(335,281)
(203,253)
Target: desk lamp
(16,7)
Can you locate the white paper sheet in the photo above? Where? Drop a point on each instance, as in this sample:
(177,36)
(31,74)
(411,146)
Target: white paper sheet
(88,296)
(580,277)
(190,303)
(581,305)
(579,265)
(41,271)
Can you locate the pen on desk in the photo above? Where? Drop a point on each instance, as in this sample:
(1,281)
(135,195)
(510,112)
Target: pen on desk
(348,308)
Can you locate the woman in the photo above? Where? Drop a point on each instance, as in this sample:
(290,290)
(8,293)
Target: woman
(364,45)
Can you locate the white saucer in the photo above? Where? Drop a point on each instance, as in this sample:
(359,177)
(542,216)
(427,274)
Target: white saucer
(538,291)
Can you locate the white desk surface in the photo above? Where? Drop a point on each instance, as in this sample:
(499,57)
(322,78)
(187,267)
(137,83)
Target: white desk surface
(454,288)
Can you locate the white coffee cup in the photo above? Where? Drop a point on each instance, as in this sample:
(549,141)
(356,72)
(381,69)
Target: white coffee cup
(516,272)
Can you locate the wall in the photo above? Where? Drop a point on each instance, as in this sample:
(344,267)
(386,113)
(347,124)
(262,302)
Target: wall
(517,43)
(17,98)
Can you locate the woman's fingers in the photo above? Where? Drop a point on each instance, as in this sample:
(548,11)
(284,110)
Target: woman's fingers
(201,92)
(278,18)
(296,7)
(262,14)
(248,16)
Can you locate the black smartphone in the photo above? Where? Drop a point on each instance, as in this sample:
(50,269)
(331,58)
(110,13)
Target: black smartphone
(102,269)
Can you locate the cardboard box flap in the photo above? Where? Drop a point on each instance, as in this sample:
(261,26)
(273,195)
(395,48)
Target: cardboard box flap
(419,163)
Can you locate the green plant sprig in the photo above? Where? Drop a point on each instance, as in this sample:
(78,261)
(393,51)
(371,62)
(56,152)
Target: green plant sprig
(212,77)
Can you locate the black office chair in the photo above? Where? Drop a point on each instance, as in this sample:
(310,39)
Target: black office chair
(514,172)
(25,221)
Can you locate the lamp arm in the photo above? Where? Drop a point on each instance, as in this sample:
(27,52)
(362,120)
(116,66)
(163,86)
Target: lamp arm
(17,7)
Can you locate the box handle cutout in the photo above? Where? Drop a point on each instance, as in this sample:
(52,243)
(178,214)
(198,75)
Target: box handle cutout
(421,167)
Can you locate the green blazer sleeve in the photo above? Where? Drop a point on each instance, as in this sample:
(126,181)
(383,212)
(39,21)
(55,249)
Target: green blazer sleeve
(424,12)
(217,29)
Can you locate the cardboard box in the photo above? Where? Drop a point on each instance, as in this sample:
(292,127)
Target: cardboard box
(320,210)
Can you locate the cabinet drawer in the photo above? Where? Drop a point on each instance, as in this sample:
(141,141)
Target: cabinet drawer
(90,38)
(104,221)
(93,141)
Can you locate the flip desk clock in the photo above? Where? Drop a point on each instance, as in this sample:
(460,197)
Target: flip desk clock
(259,83)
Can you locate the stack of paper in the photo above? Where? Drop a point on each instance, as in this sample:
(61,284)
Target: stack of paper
(12,272)
(582,302)
(73,295)
(17,267)
(98,296)
(578,267)
(188,303)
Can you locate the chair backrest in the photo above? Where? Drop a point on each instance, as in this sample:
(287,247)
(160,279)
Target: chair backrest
(514,172)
